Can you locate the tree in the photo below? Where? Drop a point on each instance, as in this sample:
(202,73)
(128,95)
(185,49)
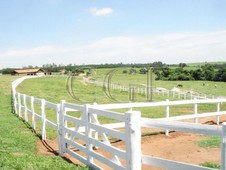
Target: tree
(158,64)
(197,74)
(132,71)
(143,71)
(158,75)
(220,75)
(165,71)
(182,65)
(208,72)
(124,71)
(8,70)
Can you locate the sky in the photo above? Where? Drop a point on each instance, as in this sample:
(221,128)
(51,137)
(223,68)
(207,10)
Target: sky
(37,32)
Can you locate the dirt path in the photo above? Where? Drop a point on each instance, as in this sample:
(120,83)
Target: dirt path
(178,146)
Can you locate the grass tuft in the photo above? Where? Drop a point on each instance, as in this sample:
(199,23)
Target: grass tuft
(211,165)
(210,142)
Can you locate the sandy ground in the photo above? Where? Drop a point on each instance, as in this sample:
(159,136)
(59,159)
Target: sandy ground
(178,146)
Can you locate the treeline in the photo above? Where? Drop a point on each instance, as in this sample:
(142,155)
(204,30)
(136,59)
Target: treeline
(206,72)
(73,67)
(211,72)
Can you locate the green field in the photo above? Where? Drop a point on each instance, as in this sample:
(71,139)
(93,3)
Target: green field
(18,143)
(203,63)
(54,89)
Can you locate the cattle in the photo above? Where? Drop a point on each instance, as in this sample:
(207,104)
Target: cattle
(180,85)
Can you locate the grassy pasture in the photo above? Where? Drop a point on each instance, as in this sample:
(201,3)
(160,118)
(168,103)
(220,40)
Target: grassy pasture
(18,143)
(203,63)
(53,89)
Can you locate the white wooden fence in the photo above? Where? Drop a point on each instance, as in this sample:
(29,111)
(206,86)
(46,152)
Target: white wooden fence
(174,93)
(91,132)
(83,128)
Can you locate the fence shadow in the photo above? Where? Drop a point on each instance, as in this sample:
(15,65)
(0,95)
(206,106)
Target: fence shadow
(12,104)
(44,143)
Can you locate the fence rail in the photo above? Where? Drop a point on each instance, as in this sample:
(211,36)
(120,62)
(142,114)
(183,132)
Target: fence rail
(174,93)
(88,129)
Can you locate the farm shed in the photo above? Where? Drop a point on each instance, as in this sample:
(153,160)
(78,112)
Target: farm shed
(36,71)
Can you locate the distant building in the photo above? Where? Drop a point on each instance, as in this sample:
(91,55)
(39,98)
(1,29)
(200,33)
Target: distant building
(36,71)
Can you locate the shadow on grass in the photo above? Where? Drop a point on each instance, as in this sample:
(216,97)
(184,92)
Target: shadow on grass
(45,144)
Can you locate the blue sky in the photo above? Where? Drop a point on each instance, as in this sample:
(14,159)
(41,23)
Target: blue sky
(36,32)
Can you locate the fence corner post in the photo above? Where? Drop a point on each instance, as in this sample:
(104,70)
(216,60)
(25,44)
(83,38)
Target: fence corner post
(133,143)
(223,147)
(61,134)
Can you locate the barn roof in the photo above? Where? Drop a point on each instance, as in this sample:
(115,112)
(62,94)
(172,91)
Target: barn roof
(35,70)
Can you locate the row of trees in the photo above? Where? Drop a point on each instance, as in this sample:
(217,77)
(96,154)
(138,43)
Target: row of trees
(206,72)
(74,68)
(211,72)
(164,72)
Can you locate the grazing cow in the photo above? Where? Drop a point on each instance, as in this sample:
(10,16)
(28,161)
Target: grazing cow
(179,85)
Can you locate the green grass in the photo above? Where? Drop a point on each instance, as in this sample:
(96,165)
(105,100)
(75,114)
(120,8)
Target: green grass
(18,144)
(53,89)
(203,63)
(210,142)
(210,88)
(10,161)
(211,165)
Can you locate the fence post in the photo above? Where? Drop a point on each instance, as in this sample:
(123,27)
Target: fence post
(88,133)
(133,140)
(43,119)
(167,114)
(218,110)
(195,110)
(25,108)
(19,105)
(94,120)
(14,100)
(33,113)
(58,129)
(130,108)
(61,132)
(223,147)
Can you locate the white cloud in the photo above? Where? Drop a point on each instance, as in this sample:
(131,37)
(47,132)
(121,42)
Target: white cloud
(169,48)
(101,12)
